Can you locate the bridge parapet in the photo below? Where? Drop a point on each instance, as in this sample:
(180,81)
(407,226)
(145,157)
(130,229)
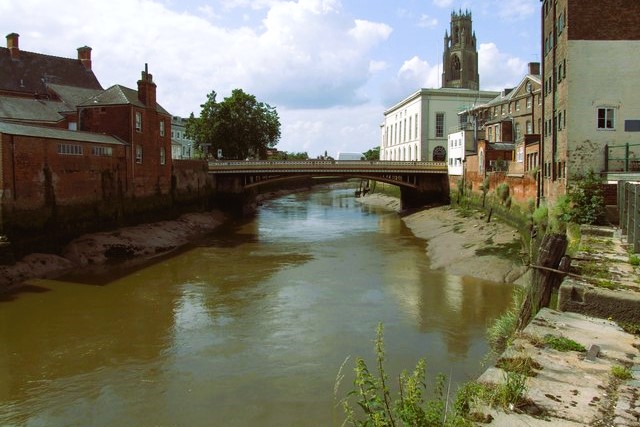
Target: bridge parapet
(313,166)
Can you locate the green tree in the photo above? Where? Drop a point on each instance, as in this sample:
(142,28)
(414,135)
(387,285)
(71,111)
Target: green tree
(372,154)
(285,155)
(240,126)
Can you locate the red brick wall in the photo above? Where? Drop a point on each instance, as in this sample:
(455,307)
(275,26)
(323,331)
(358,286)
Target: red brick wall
(603,20)
(34,173)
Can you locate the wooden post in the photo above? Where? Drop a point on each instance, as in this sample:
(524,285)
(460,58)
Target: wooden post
(550,255)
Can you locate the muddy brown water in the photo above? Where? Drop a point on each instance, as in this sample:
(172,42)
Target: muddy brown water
(248,328)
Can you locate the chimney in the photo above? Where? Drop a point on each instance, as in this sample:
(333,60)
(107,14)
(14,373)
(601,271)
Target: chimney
(84,56)
(147,88)
(12,45)
(534,68)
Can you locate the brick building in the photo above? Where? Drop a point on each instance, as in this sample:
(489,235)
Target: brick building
(72,152)
(590,81)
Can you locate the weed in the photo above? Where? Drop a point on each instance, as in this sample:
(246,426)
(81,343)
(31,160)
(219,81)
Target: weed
(521,365)
(630,328)
(501,332)
(621,372)
(634,260)
(563,343)
(606,284)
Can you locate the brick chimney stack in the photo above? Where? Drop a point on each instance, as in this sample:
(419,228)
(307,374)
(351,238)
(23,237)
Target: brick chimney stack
(12,45)
(534,68)
(84,56)
(147,88)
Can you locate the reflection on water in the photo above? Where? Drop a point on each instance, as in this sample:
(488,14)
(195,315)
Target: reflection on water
(249,328)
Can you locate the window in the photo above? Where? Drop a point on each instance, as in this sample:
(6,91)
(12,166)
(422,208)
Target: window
(439,154)
(528,87)
(439,125)
(416,124)
(138,121)
(73,126)
(70,149)
(559,73)
(410,127)
(138,153)
(606,118)
(502,111)
(560,120)
(490,134)
(528,103)
(518,131)
(163,156)
(518,105)
(101,151)
(529,129)
(161,127)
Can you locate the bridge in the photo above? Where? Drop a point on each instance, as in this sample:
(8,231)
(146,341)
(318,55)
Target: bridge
(420,183)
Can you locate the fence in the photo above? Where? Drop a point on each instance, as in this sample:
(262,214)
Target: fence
(629,206)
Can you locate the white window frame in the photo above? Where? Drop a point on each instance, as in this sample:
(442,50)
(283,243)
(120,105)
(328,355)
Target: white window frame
(609,119)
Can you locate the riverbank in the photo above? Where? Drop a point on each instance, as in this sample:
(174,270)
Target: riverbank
(463,246)
(140,242)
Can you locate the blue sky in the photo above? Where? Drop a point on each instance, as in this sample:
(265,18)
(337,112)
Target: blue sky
(330,67)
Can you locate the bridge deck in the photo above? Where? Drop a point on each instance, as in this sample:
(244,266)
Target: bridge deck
(325,166)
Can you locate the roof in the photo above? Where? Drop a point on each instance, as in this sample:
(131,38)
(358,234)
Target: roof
(31,72)
(119,95)
(32,110)
(56,133)
(72,96)
(501,146)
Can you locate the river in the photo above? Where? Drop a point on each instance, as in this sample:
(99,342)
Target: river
(247,328)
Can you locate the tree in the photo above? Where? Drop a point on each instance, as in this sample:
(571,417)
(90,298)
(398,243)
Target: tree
(285,155)
(240,126)
(372,154)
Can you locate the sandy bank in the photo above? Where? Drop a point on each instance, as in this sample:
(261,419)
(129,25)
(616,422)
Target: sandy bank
(141,241)
(463,246)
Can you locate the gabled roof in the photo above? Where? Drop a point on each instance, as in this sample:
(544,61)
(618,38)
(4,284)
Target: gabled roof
(56,133)
(31,72)
(72,96)
(119,95)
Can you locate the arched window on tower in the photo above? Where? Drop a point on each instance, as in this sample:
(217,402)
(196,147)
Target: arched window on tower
(455,68)
(456,36)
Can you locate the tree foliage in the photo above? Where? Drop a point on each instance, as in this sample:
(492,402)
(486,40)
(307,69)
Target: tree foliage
(240,126)
(372,154)
(587,199)
(285,155)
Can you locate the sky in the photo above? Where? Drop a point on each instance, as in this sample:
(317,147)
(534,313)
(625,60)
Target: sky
(329,67)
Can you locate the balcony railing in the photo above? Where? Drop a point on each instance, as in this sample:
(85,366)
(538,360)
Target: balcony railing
(622,158)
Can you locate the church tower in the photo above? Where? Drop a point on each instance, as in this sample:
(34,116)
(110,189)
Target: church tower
(460,57)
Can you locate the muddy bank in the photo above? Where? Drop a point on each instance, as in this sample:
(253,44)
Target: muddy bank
(463,246)
(142,241)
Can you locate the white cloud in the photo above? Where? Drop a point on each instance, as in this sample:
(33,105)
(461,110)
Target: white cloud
(517,9)
(443,3)
(414,74)
(427,21)
(498,69)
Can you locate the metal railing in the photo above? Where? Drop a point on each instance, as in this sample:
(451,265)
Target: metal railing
(629,207)
(622,158)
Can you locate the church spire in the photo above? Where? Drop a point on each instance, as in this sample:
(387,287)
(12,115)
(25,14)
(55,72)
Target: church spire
(460,56)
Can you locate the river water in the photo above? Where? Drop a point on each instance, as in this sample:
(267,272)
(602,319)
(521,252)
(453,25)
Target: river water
(248,328)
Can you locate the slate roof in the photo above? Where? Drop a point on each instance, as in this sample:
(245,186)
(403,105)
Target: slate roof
(32,110)
(72,96)
(31,72)
(56,133)
(119,95)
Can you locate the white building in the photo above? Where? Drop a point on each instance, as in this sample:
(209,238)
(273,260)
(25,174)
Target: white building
(181,146)
(417,127)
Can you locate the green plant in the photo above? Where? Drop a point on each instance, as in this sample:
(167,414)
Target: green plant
(486,185)
(521,365)
(630,328)
(560,215)
(587,200)
(502,191)
(563,344)
(621,372)
(634,260)
(375,405)
(540,218)
(511,393)
(502,330)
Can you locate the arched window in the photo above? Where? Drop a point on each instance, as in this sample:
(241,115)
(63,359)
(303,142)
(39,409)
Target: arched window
(439,154)
(455,68)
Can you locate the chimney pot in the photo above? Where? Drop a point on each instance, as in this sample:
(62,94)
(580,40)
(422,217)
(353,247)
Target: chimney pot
(534,68)
(12,45)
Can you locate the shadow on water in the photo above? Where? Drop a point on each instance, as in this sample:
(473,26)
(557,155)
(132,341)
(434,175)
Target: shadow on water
(226,236)
(13,293)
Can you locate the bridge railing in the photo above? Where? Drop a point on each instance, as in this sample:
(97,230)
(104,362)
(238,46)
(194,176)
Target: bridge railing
(285,164)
